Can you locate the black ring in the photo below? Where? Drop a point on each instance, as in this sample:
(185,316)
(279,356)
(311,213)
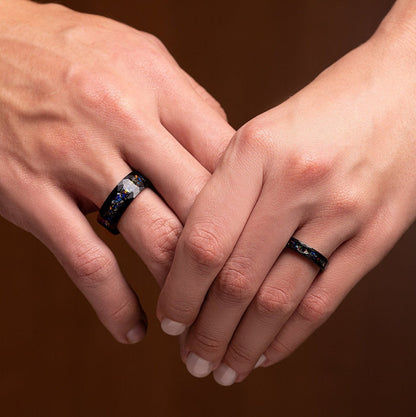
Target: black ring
(120,198)
(308,252)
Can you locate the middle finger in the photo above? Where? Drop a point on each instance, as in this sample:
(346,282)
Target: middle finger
(236,285)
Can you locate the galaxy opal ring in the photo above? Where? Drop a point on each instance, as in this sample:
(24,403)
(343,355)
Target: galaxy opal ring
(120,198)
(312,254)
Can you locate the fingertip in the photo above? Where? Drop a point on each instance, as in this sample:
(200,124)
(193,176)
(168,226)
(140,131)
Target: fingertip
(260,361)
(197,366)
(137,333)
(224,375)
(172,328)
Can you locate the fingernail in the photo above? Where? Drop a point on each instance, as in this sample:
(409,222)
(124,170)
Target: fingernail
(197,366)
(260,362)
(136,334)
(172,328)
(224,375)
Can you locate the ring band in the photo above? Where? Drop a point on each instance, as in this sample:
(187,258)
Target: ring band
(308,252)
(120,198)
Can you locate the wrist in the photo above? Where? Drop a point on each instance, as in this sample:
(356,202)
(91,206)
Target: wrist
(392,52)
(399,28)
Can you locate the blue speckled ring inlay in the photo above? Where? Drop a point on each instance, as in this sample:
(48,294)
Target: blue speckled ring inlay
(308,252)
(120,198)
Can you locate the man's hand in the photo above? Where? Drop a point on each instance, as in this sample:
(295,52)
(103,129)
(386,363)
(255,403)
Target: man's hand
(83,101)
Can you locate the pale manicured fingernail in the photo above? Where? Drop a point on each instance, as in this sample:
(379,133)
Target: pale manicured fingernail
(136,334)
(197,366)
(172,328)
(224,375)
(260,362)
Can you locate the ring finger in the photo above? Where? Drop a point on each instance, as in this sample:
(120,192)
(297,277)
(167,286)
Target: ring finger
(277,298)
(152,223)
(149,226)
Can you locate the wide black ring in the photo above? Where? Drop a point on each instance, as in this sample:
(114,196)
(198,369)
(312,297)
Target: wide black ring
(120,198)
(308,252)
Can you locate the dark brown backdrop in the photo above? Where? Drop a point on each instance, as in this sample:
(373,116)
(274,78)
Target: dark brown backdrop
(57,360)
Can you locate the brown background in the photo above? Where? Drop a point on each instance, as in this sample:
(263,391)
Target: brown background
(57,360)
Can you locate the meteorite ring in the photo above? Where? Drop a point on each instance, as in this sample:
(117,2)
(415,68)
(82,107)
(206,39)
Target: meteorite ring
(120,198)
(308,252)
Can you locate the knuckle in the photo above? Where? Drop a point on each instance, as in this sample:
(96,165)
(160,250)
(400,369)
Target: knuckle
(272,301)
(238,353)
(155,59)
(207,343)
(124,310)
(345,203)
(254,135)
(100,93)
(204,247)
(153,40)
(165,234)
(280,349)
(233,285)
(96,93)
(77,79)
(183,311)
(315,308)
(306,168)
(89,89)
(93,265)
(55,7)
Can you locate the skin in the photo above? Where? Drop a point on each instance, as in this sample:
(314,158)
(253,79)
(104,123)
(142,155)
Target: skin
(332,166)
(84,100)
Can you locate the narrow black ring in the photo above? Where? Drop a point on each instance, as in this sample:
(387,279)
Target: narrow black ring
(308,252)
(120,198)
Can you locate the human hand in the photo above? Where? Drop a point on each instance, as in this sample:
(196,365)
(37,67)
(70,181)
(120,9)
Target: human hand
(334,167)
(83,101)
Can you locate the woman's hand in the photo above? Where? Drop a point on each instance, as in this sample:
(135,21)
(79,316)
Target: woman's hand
(83,101)
(333,166)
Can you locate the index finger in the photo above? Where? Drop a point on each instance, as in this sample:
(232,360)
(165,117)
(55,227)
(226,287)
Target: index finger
(212,229)
(197,123)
